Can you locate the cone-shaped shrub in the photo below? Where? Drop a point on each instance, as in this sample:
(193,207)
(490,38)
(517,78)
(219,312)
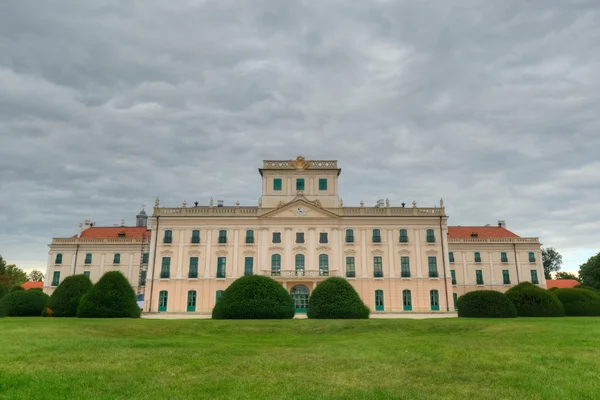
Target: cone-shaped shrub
(485,304)
(23,303)
(65,299)
(111,297)
(335,298)
(579,302)
(533,301)
(254,297)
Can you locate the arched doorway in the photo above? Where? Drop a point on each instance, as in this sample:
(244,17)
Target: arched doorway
(300,295)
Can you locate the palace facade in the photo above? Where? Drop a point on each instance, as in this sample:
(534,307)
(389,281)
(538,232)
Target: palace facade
(399,259)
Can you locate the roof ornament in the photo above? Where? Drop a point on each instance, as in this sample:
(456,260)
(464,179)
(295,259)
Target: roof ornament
(341,202)
(442,203)
(414,204)
(260,202)
(156,202)
(237,204)
(362,203)
(211,203)
(184,204)
(299,163)
(387,203)
(280,204)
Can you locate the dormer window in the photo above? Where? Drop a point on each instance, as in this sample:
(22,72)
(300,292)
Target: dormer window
(474,235)
(121,235)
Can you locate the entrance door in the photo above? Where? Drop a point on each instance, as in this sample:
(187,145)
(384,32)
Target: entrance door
(163,298)
(300,295)
(191,301)
(379,300)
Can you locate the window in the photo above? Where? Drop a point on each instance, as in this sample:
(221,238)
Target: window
(534,277)
(299,237)
(218,295)
(455,299)
(222,236)
(86,273)
(55,278)
(195,236)
(221,267)
(433,272)
(477,257)
(277,184)
(88,258)
(193,272)
(323,237)
(451,257)
(300,184)
(323,265)
(142,281)
(145,257)
(349,236)
(403,236)
(249,236)
(407,300)
(248,265)
(275,265)
(117,258)
(276,237)
(434,297)
(376,236)
(322,183)
(58,259)
(191,301)
(168,238)
(505,277)
(453,274)
(503,257)
(531,256)
(163,299)
(430,236)
(350,268)
(405,267)
(379,300)
(378,267)
(299,264)
(479,277)
(165,269)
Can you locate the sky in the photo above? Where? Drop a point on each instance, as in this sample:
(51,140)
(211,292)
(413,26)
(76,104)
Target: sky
(491,105)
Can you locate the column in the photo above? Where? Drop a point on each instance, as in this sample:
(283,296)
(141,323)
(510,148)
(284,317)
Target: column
(418,253)
(208,252)
(180,253)
(363,251)
(289,260)
(236,264)
(490,256)
(310,265)
(391,252)
(130,269)
(289,186)
(463,255)
(335,259)
(102,264)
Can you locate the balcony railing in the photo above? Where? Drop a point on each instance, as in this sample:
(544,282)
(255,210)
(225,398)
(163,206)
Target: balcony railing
(300,273)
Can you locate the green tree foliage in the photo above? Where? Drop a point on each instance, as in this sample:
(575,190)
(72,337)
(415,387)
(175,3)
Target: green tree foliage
(533,301)
(35,276)
(565,275)
(486,304)
(3,291)
(551,260)
(111,297)
(254,297)
(589,272)
(11,275)
(335,298)
(65,299)
(16,288)
(23,303)
(579,302)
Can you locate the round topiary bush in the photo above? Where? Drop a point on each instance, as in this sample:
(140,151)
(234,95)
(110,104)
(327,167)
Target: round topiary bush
(335,298)
(579,302)
(23,303)
(111,297)
(65,299)
(254,297)
(533,301)
(485,304)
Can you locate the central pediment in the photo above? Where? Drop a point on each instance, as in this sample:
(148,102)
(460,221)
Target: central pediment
(300,208)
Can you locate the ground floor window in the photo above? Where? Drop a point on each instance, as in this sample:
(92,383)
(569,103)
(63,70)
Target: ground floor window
(218,295)
(55,278)
(407,300)
(379,306)
(163,299)
(455,298)
(191,301)
(434,300)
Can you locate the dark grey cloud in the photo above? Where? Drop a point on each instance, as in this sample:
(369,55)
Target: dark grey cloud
(491,105)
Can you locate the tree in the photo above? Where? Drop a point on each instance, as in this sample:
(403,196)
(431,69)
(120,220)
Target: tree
(36,276)
(552,261)
(565,275)
(589,272)
(11,275)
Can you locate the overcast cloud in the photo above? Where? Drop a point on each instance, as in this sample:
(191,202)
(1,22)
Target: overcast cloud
(492,105)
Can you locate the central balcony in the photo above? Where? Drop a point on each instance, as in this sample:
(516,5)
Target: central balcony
(300,274)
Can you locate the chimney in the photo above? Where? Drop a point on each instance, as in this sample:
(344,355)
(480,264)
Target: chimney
(219,203)
(502,223)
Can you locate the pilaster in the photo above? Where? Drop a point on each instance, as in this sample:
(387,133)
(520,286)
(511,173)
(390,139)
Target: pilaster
(180,253)
(463,255)
(335,260)
(418,253)
(363,252)
(130,268)
(493,277)
(236,244)
(312,264)
(208,252)
(391,261)
(289,262)
(102,257)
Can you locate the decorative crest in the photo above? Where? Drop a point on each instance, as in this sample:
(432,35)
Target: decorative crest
(156,202)
(299,163)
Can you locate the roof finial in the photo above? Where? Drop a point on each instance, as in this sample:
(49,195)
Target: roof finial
(156,202)
(442,203)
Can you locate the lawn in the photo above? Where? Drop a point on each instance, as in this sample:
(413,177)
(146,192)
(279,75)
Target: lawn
(523,359)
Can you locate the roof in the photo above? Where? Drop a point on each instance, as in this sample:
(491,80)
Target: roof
(483,232)
(32,285)
(561,283)
(102,232)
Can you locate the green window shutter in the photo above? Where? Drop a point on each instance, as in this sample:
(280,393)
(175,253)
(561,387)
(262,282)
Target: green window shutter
(168,236)
(534,277)
(407,300)
(58,259)
(322,183)
(378,267)
(277,184)
(222,236)
(276,237)
(405,267)
(506,277)
(56,278)
(193,272)
(349,236)
(88,258)
(195,236)
(275,265)
(299,259)
(248,265)
(403,236)
(117,258)
(145,257)
(503,257)
(165,270)
(455,298)
(453,274)
(249,236)
(434,297)
(430,236)
(379,306)
(86,273)
(432,262)
(163,298)
(376,236)
(479,276)
(300,184)
(350,268)
(323,265)
(451,256)
(531,256)
(323,237)
(477,257)
(299,237)
(221,267)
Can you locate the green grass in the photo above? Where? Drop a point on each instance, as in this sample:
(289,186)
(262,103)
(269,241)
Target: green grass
(45,358)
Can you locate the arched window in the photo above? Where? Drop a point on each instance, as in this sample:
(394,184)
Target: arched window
(163,299)
(379,306)
(430,236)
(299,264)
(58,259)
(168,238)
(195,236)
(349,236)
(275,265)
(88,258)
(403,236)
(434,297)
(191,301)
(323,265)
(477,257)
(376,236)
(503,257)
(407,300)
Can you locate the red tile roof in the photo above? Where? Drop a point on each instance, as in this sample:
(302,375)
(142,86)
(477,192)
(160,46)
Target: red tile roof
(32,285)
(483,232)
(561,283)
(102,232)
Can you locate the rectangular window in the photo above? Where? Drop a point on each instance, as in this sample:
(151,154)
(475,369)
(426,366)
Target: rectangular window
(277,184)
(534,277)
(350,268)
(349,236)
(323,237)
(503,257)
(249,236)
(377,267)
(479,277)
(433,272)
(430,236)
(323,265)
(88,258)
(117,258)
(505,277)
(451,257)
(86,273)
(58,259)
(222,236)
(322,184)
(195,236)
(477,257)
(299,237)
(168,236)
(453,274)
(531,256)
(403,236)
(300,184)
(405,267)
(221,267)
(276,237)
(455,298)
(55,278)
(193,273)
(248,265)
(143,278)
(376,236)
(165,269)
(145,257)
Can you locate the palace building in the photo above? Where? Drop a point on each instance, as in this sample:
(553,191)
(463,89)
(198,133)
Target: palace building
(401,259)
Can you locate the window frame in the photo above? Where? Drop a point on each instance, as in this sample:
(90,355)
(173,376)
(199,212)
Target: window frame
(300,183)
(276,237)
(506,277)
(249,238)
(55,278)
(534,276)
(193,268)
(117,259)
(404,267)
(88,259)
(192,296)
(477,257)
(323,184)
(451,256)
(222,236)
(503,257)
(430,236)
(58,259)
(403,236)
(248,265)
(165,268)
(323,264)
(453,276)
(275,264)
(277,184)
(377,267)
(221,267)
(376,238)
(406,300)
(479,281)
(349,235)
(379,300)
(195,237)
(300,264)
(350,267)
(168,236)
(323,238)
(531,257)
(300,237)
(434,300)
(432,272)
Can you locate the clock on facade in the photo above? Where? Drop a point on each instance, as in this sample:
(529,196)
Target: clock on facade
(300,211)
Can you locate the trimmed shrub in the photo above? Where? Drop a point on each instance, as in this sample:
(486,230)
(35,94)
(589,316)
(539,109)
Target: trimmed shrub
(254,297)
(579,302)
(111,297)
(485,304)
(16,288)
(23,303)
(335,298)
(65,299)
(533,301)
(3,291)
